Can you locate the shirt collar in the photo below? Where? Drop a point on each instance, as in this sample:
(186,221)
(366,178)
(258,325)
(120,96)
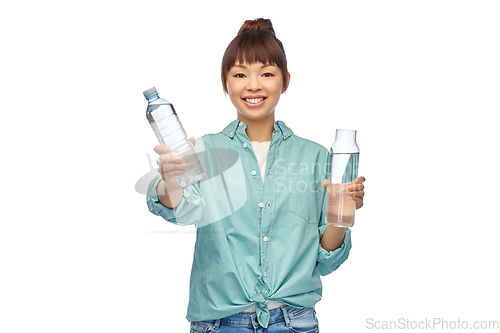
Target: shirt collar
(235,127)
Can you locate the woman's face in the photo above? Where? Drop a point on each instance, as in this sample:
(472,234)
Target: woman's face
(254,89)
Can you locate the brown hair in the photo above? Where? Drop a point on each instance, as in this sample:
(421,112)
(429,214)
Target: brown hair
(255,42)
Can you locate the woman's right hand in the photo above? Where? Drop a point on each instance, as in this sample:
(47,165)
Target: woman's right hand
(170,165)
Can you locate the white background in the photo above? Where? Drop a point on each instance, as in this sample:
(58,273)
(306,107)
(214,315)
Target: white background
(418,80)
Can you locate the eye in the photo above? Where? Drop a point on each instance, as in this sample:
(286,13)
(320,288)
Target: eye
(268,74)
(240,75)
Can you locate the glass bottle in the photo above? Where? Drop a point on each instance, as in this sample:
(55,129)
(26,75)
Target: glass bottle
(344,160)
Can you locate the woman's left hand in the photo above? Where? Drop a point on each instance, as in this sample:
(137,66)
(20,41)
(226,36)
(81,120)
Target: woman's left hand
(356,190)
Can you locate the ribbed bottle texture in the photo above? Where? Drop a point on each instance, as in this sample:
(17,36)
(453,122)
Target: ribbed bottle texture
(344,161)
(169,131)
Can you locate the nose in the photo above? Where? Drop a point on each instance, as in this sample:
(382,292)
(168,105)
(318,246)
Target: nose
(254,84)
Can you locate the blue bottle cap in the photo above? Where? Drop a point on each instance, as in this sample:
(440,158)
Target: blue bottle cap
(151,91)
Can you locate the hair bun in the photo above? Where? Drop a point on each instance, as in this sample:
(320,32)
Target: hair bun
(257,24)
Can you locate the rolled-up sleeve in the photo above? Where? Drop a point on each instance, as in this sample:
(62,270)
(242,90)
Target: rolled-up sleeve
(328,261)
(188,212)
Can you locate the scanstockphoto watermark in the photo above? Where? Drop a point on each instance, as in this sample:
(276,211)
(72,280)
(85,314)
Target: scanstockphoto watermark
(431,324)
(286,167)
(225,188)
(299,177)
(224,164)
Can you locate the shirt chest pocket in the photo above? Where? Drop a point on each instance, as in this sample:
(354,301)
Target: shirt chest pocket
(303,201)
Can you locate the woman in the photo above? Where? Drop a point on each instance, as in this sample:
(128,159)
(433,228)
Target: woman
(262,241)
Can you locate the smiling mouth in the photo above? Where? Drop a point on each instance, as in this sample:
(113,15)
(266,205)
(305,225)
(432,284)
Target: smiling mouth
(254,100)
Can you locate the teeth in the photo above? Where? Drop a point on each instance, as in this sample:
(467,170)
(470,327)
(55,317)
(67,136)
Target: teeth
(254,100)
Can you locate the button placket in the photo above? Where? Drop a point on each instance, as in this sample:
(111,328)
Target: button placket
(267,216)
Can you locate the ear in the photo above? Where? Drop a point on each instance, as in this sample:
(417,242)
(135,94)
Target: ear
(287,83)
(224,86)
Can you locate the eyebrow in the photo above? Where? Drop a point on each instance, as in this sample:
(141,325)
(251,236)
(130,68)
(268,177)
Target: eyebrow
(263,66)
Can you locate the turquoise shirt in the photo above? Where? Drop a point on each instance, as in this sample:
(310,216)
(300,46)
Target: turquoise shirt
(255,242)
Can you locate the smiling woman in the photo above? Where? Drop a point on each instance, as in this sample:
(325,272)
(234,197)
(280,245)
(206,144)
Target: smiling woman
(258,261)
(254,74)
(254,89)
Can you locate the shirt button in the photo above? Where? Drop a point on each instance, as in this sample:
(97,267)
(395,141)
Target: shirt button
(261,205)
(245,145)
(241,124)
(254,172)
(265,239)
(231,133)
(268,204)
(265,274)
(270,174)
(285,134)
(274,145)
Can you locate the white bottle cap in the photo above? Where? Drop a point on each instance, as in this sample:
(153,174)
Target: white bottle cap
(345,142)
(151,91)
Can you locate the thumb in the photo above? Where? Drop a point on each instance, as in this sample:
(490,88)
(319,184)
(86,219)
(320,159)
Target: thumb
(193,140)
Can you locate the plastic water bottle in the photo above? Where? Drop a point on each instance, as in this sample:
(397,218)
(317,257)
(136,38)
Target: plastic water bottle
(344,161)
(169,131)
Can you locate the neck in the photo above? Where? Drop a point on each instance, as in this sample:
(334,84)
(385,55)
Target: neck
(260,130)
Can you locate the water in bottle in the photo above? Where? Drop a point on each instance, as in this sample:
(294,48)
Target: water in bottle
(344,161)
(169,131)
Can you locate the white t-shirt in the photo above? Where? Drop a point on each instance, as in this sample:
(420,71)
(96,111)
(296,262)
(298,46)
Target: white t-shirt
(260,150)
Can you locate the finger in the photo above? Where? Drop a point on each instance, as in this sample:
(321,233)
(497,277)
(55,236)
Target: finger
(193,140)
(359,203)
(162,149)
(166,174)
(174,173)
(357,194)
(167,167)
(356,187)
(325,183)
(358,200)
(359,180)
(169,158)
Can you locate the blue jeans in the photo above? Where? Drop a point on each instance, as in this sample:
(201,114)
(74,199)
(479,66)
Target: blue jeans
(285,319)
